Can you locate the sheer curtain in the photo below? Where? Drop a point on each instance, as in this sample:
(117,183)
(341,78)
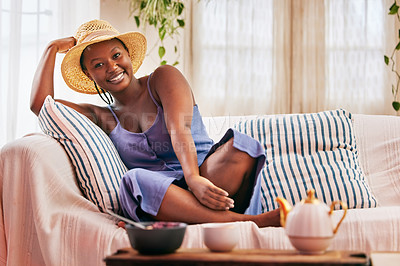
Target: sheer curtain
(291,56)
(358,34)
(233,59)
(26,28)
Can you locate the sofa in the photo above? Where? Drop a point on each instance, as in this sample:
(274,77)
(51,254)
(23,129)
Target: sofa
(45,218)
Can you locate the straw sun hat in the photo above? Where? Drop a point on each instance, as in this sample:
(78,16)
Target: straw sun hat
(92,32)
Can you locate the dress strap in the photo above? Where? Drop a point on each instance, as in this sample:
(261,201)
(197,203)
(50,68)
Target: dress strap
(151,95)
(112,111)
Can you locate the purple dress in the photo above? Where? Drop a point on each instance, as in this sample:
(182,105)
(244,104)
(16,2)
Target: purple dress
(154,166)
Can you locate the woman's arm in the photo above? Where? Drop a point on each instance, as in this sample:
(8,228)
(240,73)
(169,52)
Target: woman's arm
(43,81)
(177,100)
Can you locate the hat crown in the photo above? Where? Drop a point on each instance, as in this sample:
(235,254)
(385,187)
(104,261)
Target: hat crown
(94,29)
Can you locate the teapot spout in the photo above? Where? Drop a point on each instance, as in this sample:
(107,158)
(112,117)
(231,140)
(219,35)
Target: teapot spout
(285,208)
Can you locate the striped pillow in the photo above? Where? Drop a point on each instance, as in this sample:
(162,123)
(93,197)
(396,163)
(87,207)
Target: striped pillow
(97,163)
(307,151)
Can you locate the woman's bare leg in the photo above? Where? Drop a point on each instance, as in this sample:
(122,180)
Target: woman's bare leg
(181,205)
(232,170)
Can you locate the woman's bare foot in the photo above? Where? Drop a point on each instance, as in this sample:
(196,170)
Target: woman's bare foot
(271,218)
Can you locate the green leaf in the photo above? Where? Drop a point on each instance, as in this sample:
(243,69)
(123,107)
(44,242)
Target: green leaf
(176,49)
(161,33)
(180,8)
(396,105)
(137,20)
(176,62)
(181,22)
(398,46)
(143,5)
(393,9)
(163,62)
(161,51)
(386,60)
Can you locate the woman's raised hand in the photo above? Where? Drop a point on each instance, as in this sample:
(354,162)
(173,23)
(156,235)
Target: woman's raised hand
(210,195)
(63,45)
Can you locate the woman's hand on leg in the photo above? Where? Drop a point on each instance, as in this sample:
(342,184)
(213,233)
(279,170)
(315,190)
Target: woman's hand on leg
(208,194)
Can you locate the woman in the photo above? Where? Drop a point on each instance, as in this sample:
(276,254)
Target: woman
(177,174)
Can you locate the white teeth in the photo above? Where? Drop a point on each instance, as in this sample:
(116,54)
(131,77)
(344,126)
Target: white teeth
(117,78)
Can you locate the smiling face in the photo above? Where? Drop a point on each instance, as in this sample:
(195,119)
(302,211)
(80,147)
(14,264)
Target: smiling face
(108,64)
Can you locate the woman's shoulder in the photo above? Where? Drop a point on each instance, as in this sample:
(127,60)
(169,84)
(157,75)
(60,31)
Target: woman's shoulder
(167,76)
(161,75)
(166,79)
(166,71)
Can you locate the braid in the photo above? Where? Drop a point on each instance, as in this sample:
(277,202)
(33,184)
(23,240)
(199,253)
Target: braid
(104,95)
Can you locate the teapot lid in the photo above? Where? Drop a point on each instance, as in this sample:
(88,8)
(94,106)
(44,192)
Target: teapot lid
(311,197)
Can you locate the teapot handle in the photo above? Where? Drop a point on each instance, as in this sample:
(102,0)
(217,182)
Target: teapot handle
(344,206)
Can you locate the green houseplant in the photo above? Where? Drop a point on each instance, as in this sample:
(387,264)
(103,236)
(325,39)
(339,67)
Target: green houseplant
(165,16)
(390,61)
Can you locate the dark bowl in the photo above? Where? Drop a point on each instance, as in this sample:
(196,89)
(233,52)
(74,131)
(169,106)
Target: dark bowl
(159,238)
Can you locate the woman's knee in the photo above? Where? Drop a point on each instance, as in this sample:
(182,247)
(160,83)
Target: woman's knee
(228,158)
(229,154)
(240,160)
(229,168)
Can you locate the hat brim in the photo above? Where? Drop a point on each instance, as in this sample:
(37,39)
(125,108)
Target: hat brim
(71,69)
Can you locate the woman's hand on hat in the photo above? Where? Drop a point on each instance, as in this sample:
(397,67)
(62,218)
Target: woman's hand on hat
(63,45)
(208,194)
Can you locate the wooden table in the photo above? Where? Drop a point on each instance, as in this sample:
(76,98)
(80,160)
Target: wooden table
(129,256)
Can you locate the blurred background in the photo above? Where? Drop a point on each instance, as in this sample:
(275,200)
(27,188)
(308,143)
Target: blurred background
(241,57)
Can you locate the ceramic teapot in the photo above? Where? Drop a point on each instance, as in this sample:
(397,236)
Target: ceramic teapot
(309,225)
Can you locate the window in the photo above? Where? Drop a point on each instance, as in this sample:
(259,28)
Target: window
(290,56)
(26,28)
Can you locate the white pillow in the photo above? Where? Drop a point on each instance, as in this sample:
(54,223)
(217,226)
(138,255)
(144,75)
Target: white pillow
(379,144)
(307,151)
(97,163)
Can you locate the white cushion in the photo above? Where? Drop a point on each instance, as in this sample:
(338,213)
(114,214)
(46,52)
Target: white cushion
(307,151)
(97,163)
(379,140)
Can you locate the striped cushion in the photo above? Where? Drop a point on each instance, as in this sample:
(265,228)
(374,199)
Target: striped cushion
(97,163)
(307,151)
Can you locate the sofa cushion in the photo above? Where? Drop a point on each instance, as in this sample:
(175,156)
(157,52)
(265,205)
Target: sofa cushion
(97,163)
(307,151)
(378,141)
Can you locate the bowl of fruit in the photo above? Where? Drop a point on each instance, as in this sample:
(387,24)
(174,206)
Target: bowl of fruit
(156,237)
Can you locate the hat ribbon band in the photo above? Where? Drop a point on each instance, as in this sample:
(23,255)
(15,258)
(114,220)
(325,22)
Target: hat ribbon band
(97,34)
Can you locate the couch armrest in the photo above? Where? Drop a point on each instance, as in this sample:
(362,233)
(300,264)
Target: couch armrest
(45,219)
(22,163)
(39,148)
